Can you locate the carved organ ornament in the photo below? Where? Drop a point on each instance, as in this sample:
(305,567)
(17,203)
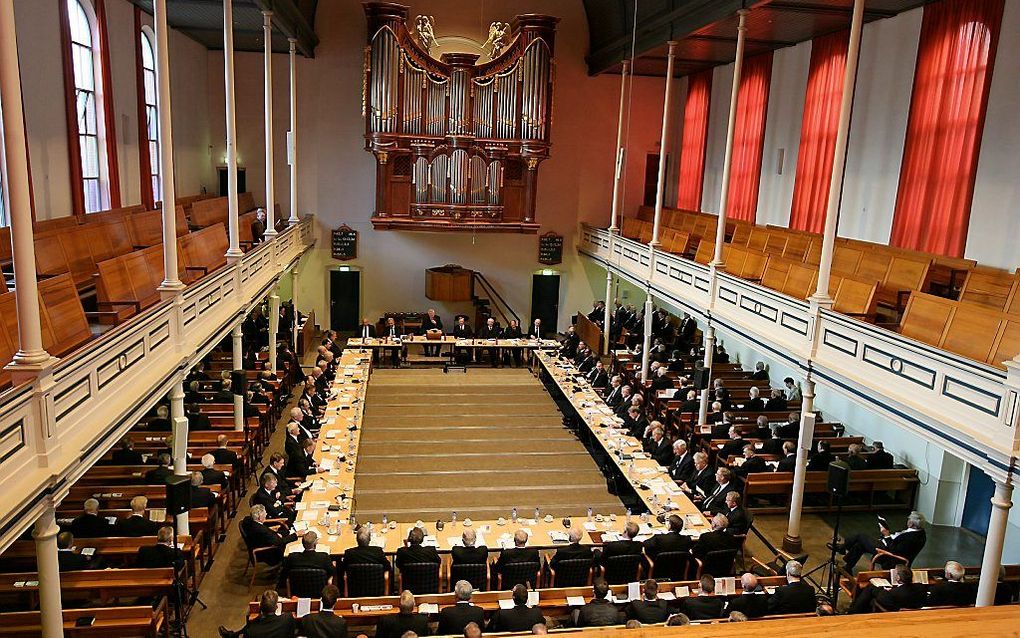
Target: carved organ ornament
(458,145)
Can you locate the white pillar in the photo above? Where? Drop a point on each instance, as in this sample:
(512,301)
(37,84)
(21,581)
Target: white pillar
(274,327)
(997,521)
(663,141)
(607,317)
(15,181)
(646,342)
(171,281)
(179,423)
(614,219)
(45,534)
(293,136)
(791,542)
(267,36)
(821,296)
(230,107)
(709,355)
(738,65)
(237,363)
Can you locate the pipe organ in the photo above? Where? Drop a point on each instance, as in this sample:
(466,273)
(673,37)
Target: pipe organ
(457,143)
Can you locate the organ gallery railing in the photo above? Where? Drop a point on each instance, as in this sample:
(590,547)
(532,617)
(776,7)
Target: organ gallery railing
(457,143)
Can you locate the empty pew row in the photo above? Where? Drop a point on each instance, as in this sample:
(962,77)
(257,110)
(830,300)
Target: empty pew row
(770,492)
(214,210)
(136,621)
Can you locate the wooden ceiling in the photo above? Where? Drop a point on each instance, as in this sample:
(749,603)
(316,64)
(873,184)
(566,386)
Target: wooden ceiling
(707,29)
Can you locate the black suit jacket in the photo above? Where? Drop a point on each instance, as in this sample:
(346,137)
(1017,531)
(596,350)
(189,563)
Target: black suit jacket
(212,476)
(598,378)
(739,522)
(951,593)
(202,497)
(260,535)
(360,333)
(126,457)
(777,404)
(573,551)
(157,476)
(300,465)
(713,541)
(751,466)
(486,333)
(912,596)
(599,613)
(91,526)
(906,544)
(752,605)
(663,453)
(787,463)
(159,556)
(416,554)
(224,456)
(394,626)
(670,542)
(135,525)
(430,324)
(820,462)
(754,405)
(282,626)
(648,611)
(463,332)
(306,560)
(454,618)
(880,461)
(370,555)
(705,479)
(614,397)
(520,618)
(69,561)
(617,548)
(517,555)
(470,555)
(702,607)
(794,598)
(323,624)
(733,447)
(273,504)
(681,468)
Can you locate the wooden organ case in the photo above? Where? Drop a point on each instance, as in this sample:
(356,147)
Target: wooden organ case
(457,144)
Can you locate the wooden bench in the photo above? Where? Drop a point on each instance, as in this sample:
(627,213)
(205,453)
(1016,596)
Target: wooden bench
(128,284)
(777,488)
(977,332)
(104,584)
(202,251)
(146,227)
(136,621)
(215,210)
(993,288)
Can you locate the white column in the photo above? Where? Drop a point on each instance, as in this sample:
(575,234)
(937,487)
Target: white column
(293,136)
(274,327)
(171,281)
(646,342)
(821,296)
(791,542)
(738,65)
(230,107)
(709,355)
(607,317)
(237,363)
(663,142)
(180,428)
(614,219)
(15,181)
(267,36)
(997,521)
(45,535)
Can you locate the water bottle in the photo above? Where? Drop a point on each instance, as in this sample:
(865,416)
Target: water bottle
(454,517)
(589,513)
(513,515)
(385,520)
(628,514)
(537,514)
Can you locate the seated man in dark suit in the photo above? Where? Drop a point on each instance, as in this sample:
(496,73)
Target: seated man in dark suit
(790,429)
(365,553)
(879,459)
(701,481)
(736,516)
(953,590)
(159,475)
(324,623)
(754,402)
(200,496)
(752,463)
(302,464)
(626,545)
(490,331)
(126,454)
(598,377)
(661,381)
(573,551)
(614,393)
(138,524)
(760,373)
(212,476)
(68,559)
(773,443)
(90,524)
(735,445)
(659,448)
(519,553)
(395,625)
(197,420)
(682,465)
(649,609)
(308,558)
(269,498)
(285,491)
(854,458)
(671,541)
(714,540)
(777,401)
(819,461)
(222,455)
(521,617)
(753,602)
(258,534)
(789,461)
(453,619)
(715,501)
(796,596)
(468,554)
(600,612)
(268,624)
(161,423)
(907,543)
(414,551)
(163,554)
(904,594)
(706,605)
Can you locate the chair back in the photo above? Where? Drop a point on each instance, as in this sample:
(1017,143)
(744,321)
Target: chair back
(307,583)
(623,569)
(475,573)
(673,566)
(719,563)
(519,574)
(575,572)
(365,580)
(420,578)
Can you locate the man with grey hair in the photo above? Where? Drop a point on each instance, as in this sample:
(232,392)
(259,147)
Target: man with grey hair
(200,496)
(137,524)
(397,625)
(893,547)
(467,553)
(716,539)
(258,534)
(753,602)
(572,551)
(682,465)
(89,524)
(520,617)
(308,558)
(953,590)
(796,596)
(519,553)
(754,401)
(212,476)
(624,546)
(455,618)
(365,553)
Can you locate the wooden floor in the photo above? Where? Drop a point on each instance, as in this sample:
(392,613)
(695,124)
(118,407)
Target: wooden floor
(478,443)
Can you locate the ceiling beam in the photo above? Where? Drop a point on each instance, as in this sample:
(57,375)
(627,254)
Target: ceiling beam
(772,44)
(289,19)
(825,9)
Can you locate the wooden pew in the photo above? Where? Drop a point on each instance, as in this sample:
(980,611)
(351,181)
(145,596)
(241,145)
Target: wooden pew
(989,287)
(146,227)
(104,584)
(128,284)
(203,251)
(863,483)
(137,621)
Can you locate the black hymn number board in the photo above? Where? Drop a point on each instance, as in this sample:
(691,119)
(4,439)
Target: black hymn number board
(345,243)
(550,248)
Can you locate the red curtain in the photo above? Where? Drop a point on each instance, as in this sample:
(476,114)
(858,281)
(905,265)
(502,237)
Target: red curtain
(749,137)
(947,113)
(818,131)
(694,141)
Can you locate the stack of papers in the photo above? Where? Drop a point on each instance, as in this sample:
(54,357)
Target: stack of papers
(575,601)
(428,608)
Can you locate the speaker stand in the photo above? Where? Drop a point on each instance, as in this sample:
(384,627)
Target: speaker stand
(830,569)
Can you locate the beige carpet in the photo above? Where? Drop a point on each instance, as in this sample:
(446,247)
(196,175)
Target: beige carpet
(479,444)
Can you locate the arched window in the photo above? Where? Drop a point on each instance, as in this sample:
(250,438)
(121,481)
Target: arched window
(88,108)
(151,111)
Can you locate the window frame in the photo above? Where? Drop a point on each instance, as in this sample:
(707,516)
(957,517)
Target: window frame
(150,109)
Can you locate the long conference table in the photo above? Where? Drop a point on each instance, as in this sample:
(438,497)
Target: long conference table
(451,342)
(326,504)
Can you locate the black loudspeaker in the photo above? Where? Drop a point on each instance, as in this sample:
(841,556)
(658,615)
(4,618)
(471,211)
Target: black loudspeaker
(701,376)
(178,495)
(839,478)
(237,381)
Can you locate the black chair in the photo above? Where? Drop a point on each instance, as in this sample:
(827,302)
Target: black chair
(370,579)
(306,583)
(671,566)
(519,574)
(622,569)
(475,573)
(419,578)
(718,563)
(576,572)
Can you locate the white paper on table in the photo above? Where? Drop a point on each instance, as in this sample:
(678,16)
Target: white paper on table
(428,608)
(682,592)
(770,590)
(532,598)
(332,434)
(430,541)
(304,607)
(326,465)
(590,527)
(480,539)
(454,541)
(666,595)
(320,505)
(506,603)
(300,527)
(640,538)
(332,539)
(575,601)
(921,576)
(309,515)
(319,547)
(634,591)
(557,536)
(378,541)
(881,582)
(609,537)
(300,506)
(725,586)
